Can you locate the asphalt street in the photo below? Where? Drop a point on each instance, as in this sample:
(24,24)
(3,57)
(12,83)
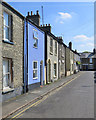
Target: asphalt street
(73,100)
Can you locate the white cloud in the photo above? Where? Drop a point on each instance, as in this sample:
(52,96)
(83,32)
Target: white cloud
(64,15)
(82,38)
(83,42)
(61,17)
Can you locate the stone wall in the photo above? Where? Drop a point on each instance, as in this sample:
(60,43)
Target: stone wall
(15,52)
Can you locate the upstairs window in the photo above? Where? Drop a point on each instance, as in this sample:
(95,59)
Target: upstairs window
(35,37)
(55,48)
(51,45)
(90,60)
(6,26)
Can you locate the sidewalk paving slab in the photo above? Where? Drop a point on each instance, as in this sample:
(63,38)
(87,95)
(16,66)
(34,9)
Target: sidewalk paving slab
(14,103)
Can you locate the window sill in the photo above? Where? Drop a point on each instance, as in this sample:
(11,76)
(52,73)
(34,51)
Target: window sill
(35,78)
(7,90)
(55,76)
(51,53)
(35,47)
(5,41)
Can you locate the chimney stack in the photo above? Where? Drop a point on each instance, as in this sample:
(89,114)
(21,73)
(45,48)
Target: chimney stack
(70,45)
(46,27)
(60,39)
(34,18)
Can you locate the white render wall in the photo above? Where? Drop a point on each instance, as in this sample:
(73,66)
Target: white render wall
(53,58)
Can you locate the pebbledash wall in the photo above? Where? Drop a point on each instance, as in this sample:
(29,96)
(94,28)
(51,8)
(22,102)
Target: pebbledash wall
(13,50)
(34,54)
(52,59)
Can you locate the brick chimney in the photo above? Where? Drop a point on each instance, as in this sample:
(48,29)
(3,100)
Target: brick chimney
(46,27)
(35,18)
(70,45)
(60,39)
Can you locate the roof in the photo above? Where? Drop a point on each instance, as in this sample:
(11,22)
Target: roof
(88,55)
(12,9)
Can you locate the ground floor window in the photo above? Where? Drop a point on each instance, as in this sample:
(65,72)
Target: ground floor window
(55,69)
(7,73)
(35,69)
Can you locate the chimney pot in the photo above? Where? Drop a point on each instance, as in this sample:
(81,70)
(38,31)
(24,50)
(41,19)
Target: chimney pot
(46,24)
(41,25)
(31,13)
(28,13)
(37,12)
(49,24)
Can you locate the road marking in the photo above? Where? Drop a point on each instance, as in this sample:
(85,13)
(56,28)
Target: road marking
(39,101)
(34,104)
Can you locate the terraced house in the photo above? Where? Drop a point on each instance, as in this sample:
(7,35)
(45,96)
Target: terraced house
(51,54)
(77,62)
(11,46)
(69,60)
(61,58)
(34,52)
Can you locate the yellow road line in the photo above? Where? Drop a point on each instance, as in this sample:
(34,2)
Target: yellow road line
(39,101)
(34,104)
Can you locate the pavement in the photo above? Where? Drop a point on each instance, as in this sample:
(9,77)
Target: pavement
(14,104)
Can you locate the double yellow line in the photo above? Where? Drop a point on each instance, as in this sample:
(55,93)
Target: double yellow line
(34,104)
(39,101)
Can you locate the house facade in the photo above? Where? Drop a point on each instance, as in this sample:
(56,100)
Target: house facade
(52,58)
(61,58)
(69,60)
(88,61)
(34,55)
(12,51)
(76,62)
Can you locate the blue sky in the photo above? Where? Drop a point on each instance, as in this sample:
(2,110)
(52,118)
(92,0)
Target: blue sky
(74,21)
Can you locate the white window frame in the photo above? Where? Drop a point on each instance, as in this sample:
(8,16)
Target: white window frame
(9,74)
(35,38)
(35,69)
(51,46)
(8,26)
(55,48)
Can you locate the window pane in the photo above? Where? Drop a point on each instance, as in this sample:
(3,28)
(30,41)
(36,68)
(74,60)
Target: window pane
(6,33)
(6,19)
(35,43)
(35,65)
(34,73)
(6,73)
(54,69)
(35,34)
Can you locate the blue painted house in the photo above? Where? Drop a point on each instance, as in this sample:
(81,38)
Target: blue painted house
(34,55)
